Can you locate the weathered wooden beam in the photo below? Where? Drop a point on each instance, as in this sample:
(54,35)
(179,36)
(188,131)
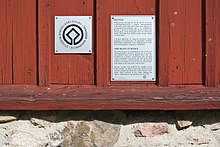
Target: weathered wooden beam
(109,98)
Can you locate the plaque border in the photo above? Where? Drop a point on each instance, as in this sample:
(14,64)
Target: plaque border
(153,79)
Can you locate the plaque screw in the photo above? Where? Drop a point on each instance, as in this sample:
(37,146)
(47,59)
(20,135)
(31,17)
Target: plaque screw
(113,79)
(56,17)
(89,50)
(152,17)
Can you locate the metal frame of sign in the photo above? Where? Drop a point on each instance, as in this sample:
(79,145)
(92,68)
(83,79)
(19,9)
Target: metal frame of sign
(133,48)
(73,34)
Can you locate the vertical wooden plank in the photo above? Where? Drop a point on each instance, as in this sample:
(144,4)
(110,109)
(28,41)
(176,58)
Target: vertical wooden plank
(106,8)
(62,69)
(177,19)
(75,69)
(185,59)
(193,49)
(44,45)
(164,43)
(5,42)
(24,42)
(217,37)
(102,41)
(212,42)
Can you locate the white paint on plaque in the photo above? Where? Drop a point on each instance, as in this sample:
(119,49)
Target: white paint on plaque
(133,48)
(73,34)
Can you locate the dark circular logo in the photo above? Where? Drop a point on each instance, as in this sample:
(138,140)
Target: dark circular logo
(73,34)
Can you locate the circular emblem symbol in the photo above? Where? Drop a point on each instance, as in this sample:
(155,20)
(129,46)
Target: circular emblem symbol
(73,34)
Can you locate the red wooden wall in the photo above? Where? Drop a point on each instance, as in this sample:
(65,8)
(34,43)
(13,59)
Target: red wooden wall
(181,37)
(106,8)
(187,41)
(18,52)
(181,41)
(212,41)
(62,69)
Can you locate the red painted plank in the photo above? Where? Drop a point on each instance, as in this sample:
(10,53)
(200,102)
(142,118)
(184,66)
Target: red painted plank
(72,69)
(5,42)
(24,42)
(107,105)
(193,52)
(185,59)
(106,8)
(44,39)
(212,42)
(109,98)
(163,44)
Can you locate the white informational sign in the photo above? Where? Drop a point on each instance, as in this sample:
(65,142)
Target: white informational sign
(73,34)
(133,48)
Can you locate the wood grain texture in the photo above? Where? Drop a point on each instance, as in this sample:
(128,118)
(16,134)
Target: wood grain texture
(6,42)
(75,69)
(109,98)
(18,42)
(212,42)
(106,8)
(24,42)
(44,45)
(185,59)
(163,44)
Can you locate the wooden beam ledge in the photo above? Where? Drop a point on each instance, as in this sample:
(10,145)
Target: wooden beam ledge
(109,98)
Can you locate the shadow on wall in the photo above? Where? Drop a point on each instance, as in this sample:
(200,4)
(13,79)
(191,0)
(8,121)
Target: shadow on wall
(198,118)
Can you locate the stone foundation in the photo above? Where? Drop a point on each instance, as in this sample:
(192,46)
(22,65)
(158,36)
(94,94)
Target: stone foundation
(109,128)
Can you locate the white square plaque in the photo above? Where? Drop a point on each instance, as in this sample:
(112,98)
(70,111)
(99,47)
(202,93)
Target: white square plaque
(133,48)
(73,34)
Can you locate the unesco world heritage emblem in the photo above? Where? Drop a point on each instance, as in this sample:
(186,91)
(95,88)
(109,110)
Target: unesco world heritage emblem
(73,34)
